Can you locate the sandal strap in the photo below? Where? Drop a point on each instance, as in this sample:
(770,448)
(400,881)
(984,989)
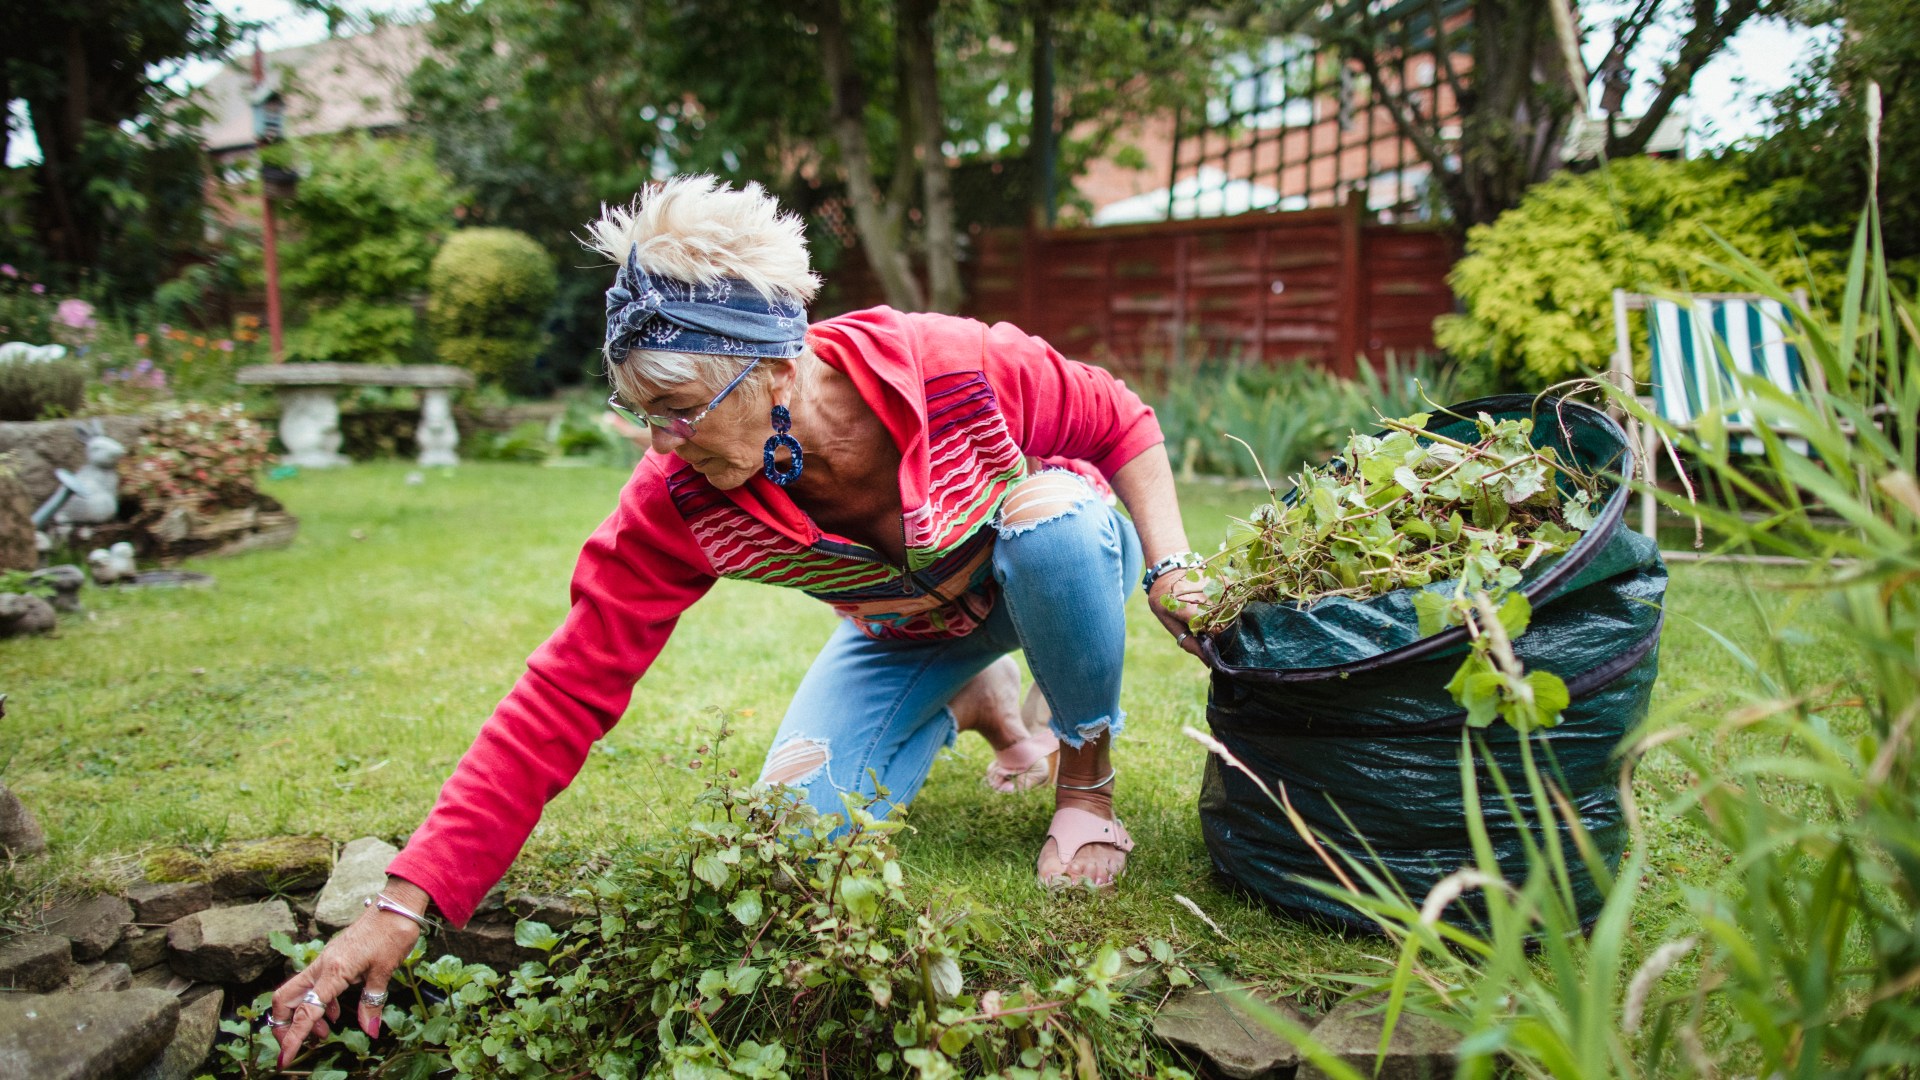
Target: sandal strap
(1023,755)
(1074,828)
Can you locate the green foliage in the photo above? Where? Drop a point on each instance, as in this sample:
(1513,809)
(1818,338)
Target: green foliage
(118,193)
(490,293)
(367,220)
(764,940)
(1538,283)
(41,390)
(1802,953)
(208,452)
(1289,414)
(1821,111)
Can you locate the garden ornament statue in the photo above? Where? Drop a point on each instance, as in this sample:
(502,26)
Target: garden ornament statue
(437,436)
(110,565)
(90,496)
(15,351)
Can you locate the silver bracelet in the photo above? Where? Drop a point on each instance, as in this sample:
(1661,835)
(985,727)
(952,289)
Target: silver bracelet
(388,903)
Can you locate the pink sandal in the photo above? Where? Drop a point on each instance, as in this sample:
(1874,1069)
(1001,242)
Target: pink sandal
(1073,829)
(1026,764)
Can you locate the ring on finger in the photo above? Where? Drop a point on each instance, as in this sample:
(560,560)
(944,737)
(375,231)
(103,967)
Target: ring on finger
(272,1023)
(1181,638)
(311,998)
(375,998)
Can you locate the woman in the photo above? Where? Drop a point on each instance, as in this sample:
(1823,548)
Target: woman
(937,481)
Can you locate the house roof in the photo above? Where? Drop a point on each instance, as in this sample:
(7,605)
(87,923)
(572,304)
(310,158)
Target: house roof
(340,84)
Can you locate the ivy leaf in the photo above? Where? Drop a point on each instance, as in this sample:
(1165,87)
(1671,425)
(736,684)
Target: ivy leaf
(711,869)
(746,908)
(1432,608)
(1550,696)
(529,934)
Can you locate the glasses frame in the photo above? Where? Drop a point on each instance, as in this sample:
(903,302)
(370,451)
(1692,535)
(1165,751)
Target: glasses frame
(680,427)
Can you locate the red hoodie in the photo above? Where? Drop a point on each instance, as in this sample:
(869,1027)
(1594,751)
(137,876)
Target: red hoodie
(966,403)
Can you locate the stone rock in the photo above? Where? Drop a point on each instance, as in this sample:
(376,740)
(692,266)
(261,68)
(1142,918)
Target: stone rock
(493,906)
(17,550)
(20,832)
(140,948)
(228,945)
(22,614)
(279,864)
(360,872)
(192,1041)
(489,944)
(159,903)
(93,925)
(558,912)
(102,976)
(65,581)
(1220,1028)
(163,978)
(38,963)
(1420,1049)
(84,1036)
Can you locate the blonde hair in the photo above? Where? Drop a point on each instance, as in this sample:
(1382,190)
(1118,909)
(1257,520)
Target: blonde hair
(697,229)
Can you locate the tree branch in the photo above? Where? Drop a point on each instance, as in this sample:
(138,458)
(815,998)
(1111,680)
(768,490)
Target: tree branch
(1702,41)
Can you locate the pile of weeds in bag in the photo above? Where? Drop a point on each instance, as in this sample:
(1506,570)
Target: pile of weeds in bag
(1459,583)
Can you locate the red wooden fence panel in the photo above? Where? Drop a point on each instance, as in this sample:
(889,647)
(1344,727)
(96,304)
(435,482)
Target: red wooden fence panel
(1317,285)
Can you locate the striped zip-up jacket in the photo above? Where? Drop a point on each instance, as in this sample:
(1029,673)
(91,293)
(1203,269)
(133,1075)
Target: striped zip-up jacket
(968,405)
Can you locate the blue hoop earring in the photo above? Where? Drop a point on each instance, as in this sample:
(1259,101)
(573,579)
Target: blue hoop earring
(782,425)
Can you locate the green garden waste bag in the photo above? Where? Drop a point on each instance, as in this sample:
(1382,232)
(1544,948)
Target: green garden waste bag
(1345,703)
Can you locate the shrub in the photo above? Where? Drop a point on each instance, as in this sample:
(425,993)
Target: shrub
(490,289)
(1291,413)
(366,222)
(1538,283)
(762,941)
(41,389)
(207,452)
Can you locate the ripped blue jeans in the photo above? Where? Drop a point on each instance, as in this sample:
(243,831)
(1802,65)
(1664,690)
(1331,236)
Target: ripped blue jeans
(878,709)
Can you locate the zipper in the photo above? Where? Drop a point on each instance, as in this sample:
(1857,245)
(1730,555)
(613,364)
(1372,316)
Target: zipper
(866,554)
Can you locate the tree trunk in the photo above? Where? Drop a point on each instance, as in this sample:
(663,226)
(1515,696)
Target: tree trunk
(916,44)
(877,224)
(1040,141)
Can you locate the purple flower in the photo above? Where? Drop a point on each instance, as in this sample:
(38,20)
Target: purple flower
(7,269)
(143,366)
(39,289)
(226,345)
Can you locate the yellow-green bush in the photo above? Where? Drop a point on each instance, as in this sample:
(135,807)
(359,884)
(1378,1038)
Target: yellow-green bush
(1538,283)
(490,289)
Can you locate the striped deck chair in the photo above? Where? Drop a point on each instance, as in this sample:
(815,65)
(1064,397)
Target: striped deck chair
(1691,376)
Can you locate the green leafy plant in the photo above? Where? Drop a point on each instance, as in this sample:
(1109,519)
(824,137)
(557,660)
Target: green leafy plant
(211,453)
(1289,413)
(766,940)
(1408,509)
(490,292)
(1538,283)
(41,389)
(1802,957)
(367,220)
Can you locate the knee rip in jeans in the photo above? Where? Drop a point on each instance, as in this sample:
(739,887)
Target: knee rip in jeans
(796,761)
(1042,498)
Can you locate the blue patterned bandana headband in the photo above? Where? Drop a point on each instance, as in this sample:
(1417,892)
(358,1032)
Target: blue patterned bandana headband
(728,317)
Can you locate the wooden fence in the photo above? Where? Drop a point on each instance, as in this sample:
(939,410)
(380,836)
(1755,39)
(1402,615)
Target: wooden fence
(1319,285)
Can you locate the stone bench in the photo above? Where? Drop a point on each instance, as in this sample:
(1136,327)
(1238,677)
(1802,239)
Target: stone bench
(310,411)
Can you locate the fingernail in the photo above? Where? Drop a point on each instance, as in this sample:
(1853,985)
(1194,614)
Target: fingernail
(373,1029)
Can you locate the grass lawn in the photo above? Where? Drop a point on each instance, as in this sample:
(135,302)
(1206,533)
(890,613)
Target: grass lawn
(329,688)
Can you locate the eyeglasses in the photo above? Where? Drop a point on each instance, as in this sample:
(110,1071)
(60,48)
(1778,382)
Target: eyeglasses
(680,427)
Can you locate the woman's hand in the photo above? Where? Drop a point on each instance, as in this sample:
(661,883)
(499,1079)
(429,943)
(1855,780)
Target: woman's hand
(367,953)
(1183,587)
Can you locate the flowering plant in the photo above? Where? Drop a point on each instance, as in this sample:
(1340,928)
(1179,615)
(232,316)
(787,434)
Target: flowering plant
(25,314)
(209,452)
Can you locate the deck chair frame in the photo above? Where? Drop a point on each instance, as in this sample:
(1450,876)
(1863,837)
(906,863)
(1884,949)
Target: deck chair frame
(1644,436)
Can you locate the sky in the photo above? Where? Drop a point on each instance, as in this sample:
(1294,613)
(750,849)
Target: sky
(1762,57)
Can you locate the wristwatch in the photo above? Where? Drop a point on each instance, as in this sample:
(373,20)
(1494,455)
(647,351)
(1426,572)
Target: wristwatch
(1179,560)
